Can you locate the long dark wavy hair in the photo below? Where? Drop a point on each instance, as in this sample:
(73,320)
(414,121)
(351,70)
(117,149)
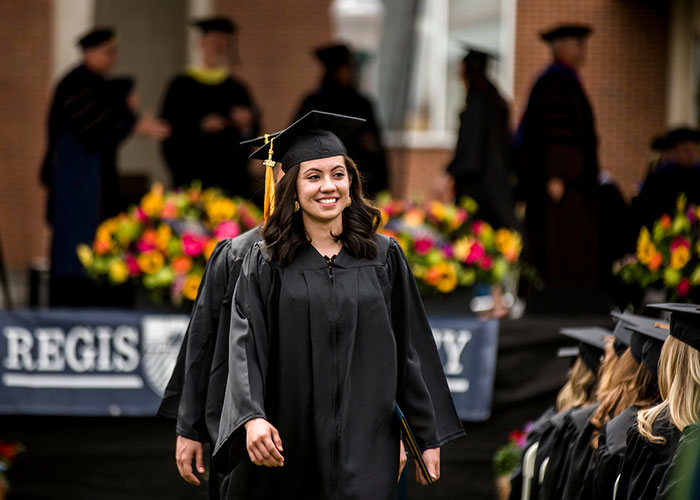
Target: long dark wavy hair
(284,231)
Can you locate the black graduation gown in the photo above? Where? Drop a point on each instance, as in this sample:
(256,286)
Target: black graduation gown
(603,469)
(645,463)
(548,439)
(557,138)
(324,352)
(190,153)
(88,119)
(481,161)
(661,190)
(195,394)
(364,145)
(534,436)
(569,452)
(682,479)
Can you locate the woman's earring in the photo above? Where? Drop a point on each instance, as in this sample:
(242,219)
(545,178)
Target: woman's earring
(349,202)
(296,206)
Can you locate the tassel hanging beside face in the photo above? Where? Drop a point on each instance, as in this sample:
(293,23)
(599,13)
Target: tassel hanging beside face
(269,203)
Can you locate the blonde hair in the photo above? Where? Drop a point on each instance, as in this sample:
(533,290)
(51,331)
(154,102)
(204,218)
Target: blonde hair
(679,386)
(578,388)
(607,370)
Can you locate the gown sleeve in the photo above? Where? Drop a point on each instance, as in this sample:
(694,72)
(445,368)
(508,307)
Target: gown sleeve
(422,391)
(244,398)
(186,393)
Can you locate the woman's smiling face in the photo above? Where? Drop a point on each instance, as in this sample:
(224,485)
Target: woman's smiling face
(323,188)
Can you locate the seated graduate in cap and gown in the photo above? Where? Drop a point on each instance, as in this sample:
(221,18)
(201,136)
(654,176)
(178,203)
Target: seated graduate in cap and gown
(194,395)
(328,335)
(210,112)
(652,443)
(88,119)
(338,93)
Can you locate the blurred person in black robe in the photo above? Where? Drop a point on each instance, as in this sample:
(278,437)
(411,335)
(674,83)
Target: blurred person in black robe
(89,117)
(556,162)
(681,174)
(210,113)
(480,164)
(337,93)
(328,335)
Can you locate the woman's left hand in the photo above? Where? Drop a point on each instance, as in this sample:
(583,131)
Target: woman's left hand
(402,458)
(431,457)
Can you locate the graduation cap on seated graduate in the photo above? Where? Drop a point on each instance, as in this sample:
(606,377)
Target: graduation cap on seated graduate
(478,56)
(334,56)
(565,31)
(647,340)
(95,37)
(591,343)
(315,135)
(685,322)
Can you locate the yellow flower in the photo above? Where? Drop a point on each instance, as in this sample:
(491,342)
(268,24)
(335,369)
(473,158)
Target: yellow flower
(189,289)
(461,248)
(85,255)
(150,262)
(152,203)
(680,257)
(118,272)
(509,244)
(443,276)
(220,209)
(437,210)
(163,235)
(645,248)
(414,217)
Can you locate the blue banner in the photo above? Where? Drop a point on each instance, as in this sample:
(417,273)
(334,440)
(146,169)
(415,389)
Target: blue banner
(111,362)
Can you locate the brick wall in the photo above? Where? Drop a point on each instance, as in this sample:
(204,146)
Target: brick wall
(24,92)
(624,76)
(275,43)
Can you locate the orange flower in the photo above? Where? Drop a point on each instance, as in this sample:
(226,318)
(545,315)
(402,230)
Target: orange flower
(665,221)
(150,262)
(209,248)
(656,260)
(189,289)
(182,264)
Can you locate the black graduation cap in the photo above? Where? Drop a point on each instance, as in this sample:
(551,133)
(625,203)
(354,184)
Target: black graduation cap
(685,322)
(477,56)
(333,56)
(222,24)
(95,37)
(591,343)
(315,135)
(566,30)
(647,340)
(683,134)
(659,144)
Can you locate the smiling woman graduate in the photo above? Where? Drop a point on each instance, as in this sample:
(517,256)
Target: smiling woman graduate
(328,334)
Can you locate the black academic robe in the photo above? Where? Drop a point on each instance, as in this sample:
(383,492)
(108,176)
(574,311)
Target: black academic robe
(325,352)
(365,144)
(570,454)
(557,138)
(88,119)
(547,447)
(534,436)
(604,467)
(195,394)
(661,190)
(682,478)
(216,159)
(481,161)
(646,463)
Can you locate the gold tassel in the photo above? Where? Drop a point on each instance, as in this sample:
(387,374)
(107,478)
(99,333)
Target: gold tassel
(269,204)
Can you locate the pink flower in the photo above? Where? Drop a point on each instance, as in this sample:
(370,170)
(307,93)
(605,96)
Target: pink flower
(486,263)
(476,253)
(680,241)
(139,214)
(447,251)
(192,244)
(683,288)
(227,229)
(169,211)
(476,226)
(461,215)
(690,214)
(423,244)
(132,265)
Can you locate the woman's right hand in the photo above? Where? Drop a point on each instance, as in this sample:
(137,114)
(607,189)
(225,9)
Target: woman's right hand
(263,443)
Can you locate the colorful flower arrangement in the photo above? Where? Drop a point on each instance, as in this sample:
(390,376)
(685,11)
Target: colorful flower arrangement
(507,457)
(8,454)
(668,256)
(447,247)
(164,242)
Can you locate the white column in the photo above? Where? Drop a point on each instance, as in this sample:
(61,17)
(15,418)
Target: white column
(70,20)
